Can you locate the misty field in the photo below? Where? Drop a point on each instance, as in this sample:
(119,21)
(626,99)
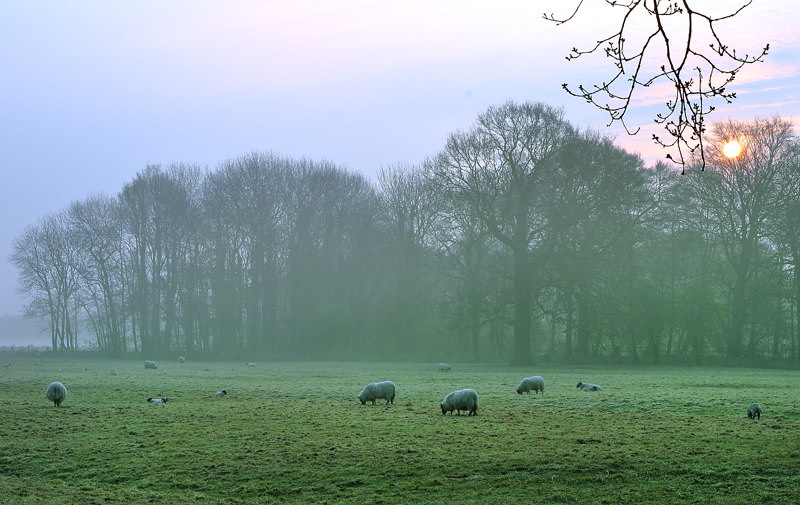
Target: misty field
(296,433)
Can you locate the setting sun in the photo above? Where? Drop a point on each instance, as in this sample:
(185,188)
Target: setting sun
(732,149)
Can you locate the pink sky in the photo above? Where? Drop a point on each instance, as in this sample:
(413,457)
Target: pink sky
(93,91)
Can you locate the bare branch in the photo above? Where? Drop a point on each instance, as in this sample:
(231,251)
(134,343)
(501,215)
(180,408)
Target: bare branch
(698,75)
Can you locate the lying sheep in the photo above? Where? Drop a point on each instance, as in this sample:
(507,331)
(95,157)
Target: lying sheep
(463,399)
(444,367)
(376,390)
(157,400)
(150,364)
(754,411)
(181,359)
(56,393)
(220,394)
(528,384)
(585,386)
(251,364)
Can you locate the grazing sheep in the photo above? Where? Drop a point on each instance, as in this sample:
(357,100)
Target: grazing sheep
(444,367)
(6,365)
(463,399)
(56,393)
(528,384)
(251,364)
(376,390)
(114,373)
(157,400)
(150,364)
(585,386)
(220,394)
(181,359)
(754,411)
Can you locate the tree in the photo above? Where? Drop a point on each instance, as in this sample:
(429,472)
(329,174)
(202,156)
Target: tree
(500,167)
(157,209)
(594,208)
(409,208)
(697,64)
(96,226)
(328,212)
(246,204)
(468,249)
(744,197)
(48,260)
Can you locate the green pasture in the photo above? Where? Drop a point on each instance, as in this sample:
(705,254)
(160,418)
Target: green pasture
(296,433)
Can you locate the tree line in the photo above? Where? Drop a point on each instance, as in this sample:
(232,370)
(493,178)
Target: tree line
(524,238)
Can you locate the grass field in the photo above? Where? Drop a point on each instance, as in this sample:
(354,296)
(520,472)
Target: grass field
(296,433)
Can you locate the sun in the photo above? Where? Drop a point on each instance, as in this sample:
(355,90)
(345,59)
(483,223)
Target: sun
(732,149)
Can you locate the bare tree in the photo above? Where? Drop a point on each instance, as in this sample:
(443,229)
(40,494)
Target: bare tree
(328,210)
(48,260)
(156,209)
(693,58)
(594,209)
(469,250)
(245,201)
(409,209)
(95,225)
(500,168)
(744,195)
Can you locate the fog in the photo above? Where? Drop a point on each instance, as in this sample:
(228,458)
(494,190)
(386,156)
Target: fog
(526,238)
(20,331)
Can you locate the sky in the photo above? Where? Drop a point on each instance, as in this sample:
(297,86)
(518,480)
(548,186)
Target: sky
(93,91)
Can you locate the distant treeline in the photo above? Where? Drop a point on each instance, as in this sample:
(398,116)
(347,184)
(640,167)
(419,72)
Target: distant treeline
(524,237)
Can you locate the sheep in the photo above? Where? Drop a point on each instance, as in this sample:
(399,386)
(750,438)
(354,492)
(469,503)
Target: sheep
(150,364)
(754,411)
(375,390)
(251,364)
(528,384)
(585,386)
(220,394)
(444,367)
(114,373)
(6,365)
(181,359)
(56,393)
(157,400)
(463,399)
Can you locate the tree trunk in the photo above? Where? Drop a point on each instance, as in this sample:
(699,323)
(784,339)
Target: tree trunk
(522,310)
(737,318)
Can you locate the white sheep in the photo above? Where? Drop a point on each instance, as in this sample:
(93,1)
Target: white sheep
(444,367)
(251,364)
(463,399)
(754,411)
(528,384)
(585,386)
(376,390)
(181,359)
(157,400)
(56,393)
(220,394)
(150,364)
